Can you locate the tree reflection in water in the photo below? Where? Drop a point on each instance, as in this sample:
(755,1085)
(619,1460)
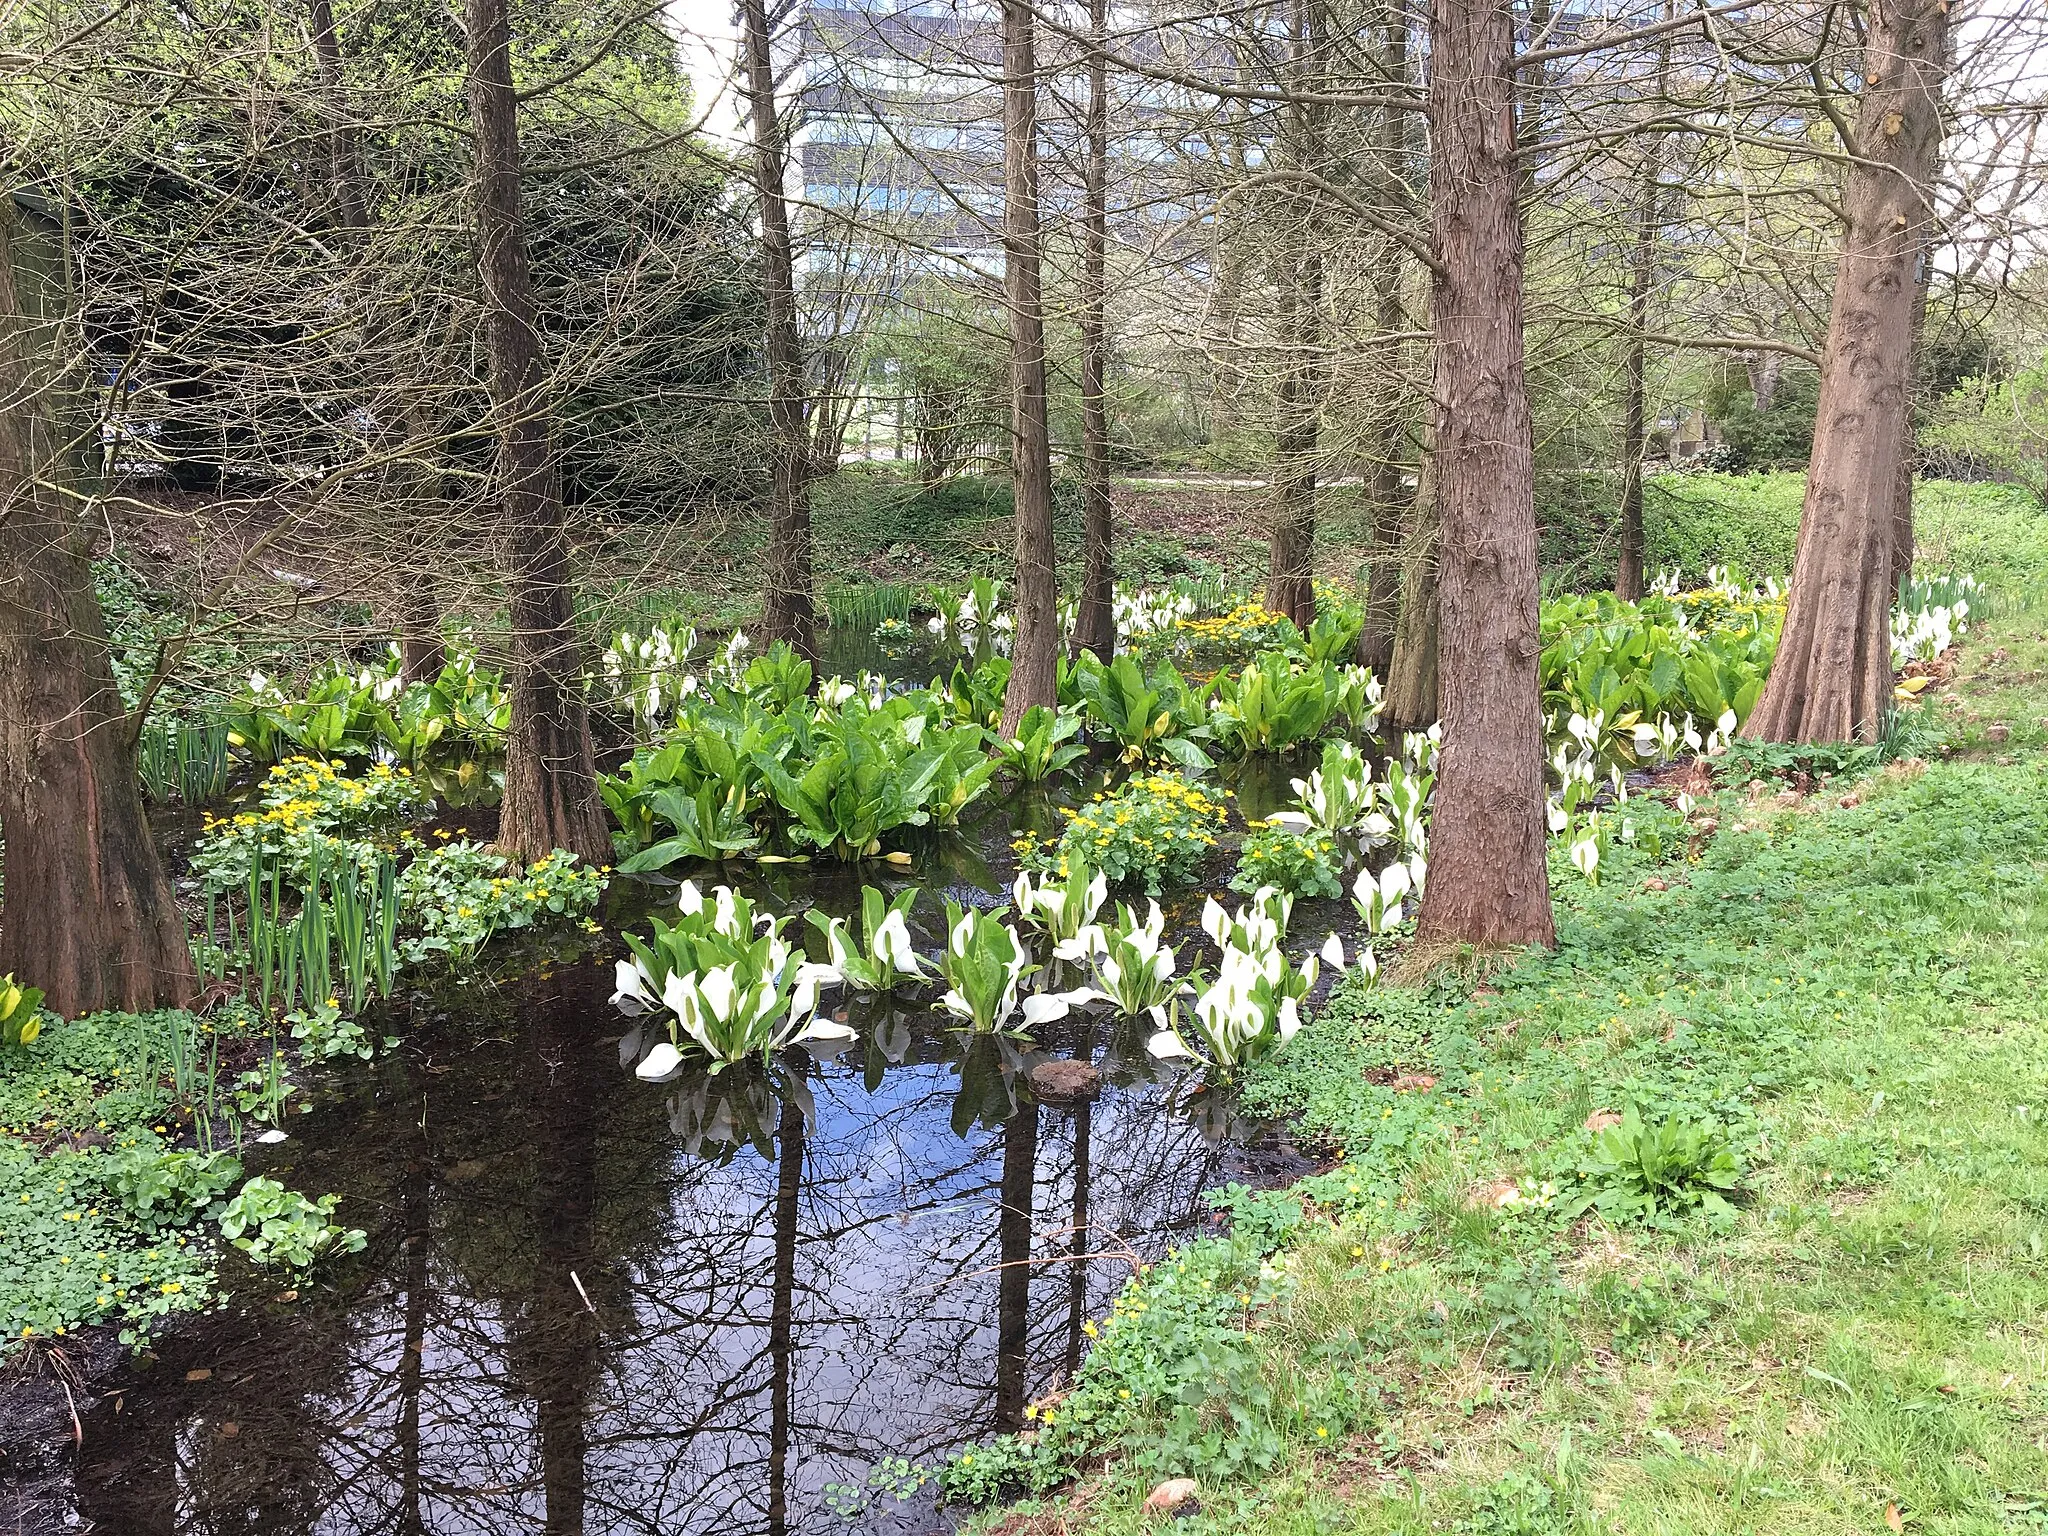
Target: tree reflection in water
(595,1305)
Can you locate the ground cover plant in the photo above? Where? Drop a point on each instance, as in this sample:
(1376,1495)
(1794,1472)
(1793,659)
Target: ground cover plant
(110,1214)
(1724,1216)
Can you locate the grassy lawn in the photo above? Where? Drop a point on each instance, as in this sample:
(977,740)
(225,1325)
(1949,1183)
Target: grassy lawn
(1833,1003)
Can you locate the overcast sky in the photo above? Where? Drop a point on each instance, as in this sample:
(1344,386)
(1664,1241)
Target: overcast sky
(710,40)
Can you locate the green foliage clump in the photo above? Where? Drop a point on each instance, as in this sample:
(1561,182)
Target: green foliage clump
(1658,1171)
(276,1225)
(73,1253)
(741,764)
(1157,831)
(454,897)
(91,1193)
(1043,745)
(1176,1364)
(104,1218)
(355,712)
(1774,437)
(309,811)
(1144,715)
(1274,703)
(1298,863)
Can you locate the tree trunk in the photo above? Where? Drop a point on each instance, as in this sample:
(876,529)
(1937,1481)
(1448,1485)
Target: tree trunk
(551,798)
(421,651)
(1290,577)
(1487,885)
(1909,461)
(1095,620)
(1629,573)
(1034,663)
(1763,369)
(1831,680)
(89,915)
(1410,701)
(788,613)
(1220,329)
(1391,504)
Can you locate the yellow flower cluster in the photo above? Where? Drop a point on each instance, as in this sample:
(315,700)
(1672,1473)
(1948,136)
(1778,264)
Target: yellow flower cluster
(1157,828)
(1714,608)
(1248,624)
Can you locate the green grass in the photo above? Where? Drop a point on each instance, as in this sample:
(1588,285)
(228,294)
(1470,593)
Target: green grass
(1850,994)
(1693,521)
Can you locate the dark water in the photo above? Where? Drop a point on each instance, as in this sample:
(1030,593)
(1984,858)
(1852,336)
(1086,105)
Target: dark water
(711,1305)
(593,1304)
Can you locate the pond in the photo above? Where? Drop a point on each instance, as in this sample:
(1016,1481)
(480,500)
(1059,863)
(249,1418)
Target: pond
(714,1304)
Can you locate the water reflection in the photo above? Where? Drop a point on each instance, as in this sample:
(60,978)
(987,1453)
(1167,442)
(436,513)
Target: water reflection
(596,1305)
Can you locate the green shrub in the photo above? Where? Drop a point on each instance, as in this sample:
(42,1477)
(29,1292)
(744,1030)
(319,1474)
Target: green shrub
(456,896)
(1654,1172)
(275,1225)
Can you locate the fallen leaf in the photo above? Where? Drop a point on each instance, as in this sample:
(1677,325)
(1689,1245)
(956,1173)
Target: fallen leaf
(1893,1518)
(1494,1194)
(1170,1495)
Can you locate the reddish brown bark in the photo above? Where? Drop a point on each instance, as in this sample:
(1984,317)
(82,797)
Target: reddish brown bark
(89,915)
(551,798)
(1034,663)
(788,612)
(1909,461)
(1411,694)
(1831,680)
(1095,618)
(1487,885)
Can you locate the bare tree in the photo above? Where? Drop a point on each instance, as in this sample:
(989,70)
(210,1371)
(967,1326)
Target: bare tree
(405,484)
(1488,883)
(1290,584)
(788,613)
(1035,665)
(1831,679)
(1642,274)
(551,799)
(1392,504)
(1095,619)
